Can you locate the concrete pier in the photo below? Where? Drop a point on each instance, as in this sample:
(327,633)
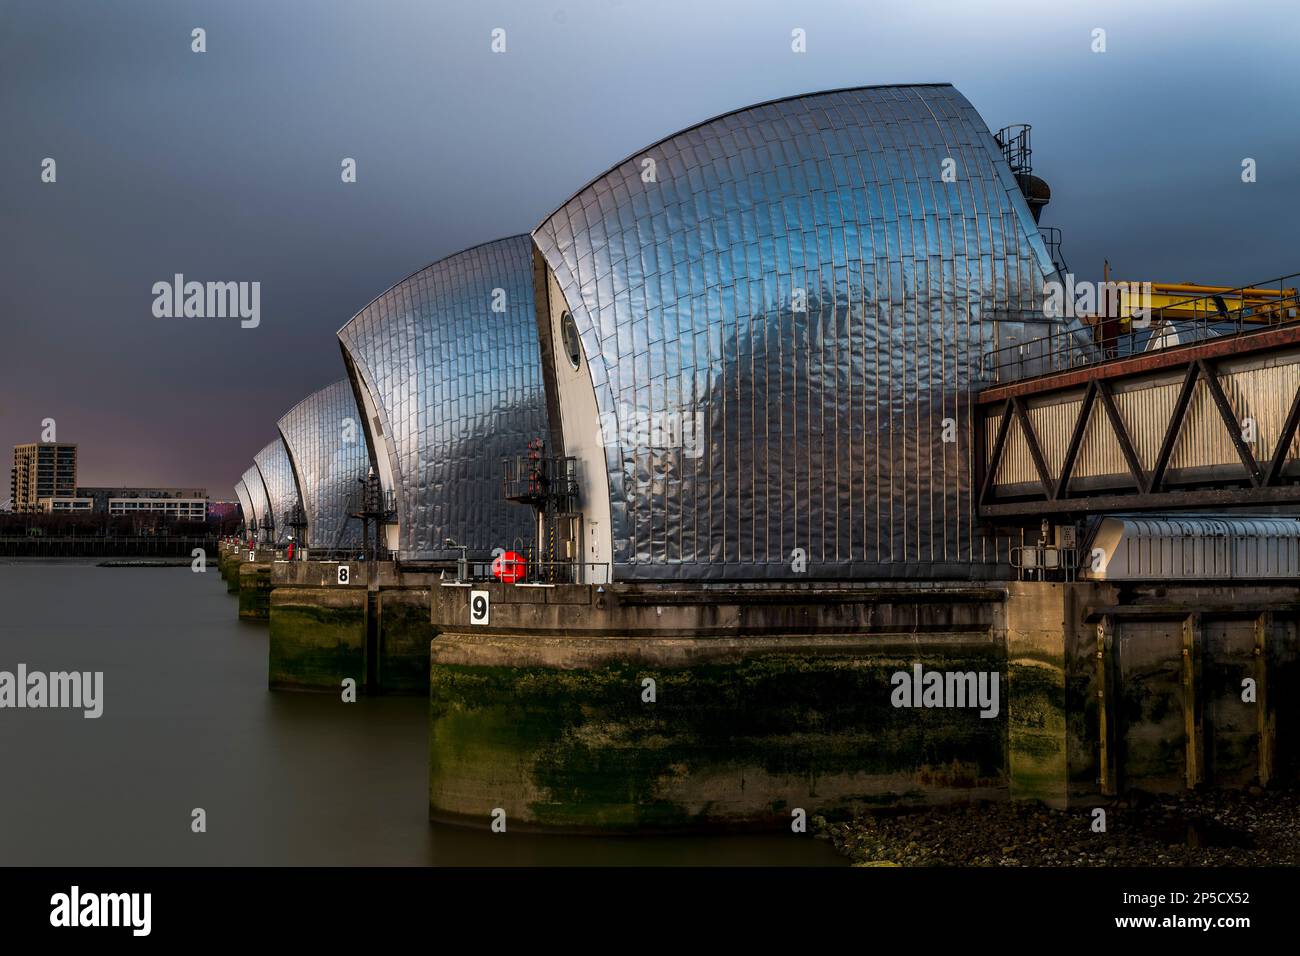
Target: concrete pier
(768,699)
(371,624)
(764,701)
(228,561)
(629,707)
(255,586)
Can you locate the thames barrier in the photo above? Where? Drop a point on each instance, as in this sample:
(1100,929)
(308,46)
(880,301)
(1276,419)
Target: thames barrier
(763,474)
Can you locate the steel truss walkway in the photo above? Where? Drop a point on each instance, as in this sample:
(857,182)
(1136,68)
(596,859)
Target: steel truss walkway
(1207,425)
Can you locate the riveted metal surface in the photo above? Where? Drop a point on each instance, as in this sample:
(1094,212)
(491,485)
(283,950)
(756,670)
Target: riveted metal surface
(326,443)
(802,277)
(281,493)
(456,386)
(257,494)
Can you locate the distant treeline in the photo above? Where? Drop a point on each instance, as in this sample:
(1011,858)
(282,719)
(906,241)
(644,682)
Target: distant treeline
(107,546)
(98,525)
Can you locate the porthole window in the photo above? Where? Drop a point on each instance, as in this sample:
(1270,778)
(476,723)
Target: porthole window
(569,336)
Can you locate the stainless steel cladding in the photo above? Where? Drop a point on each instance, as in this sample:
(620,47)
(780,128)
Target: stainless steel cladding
(326,442)
(782,313)
(245,502)
(445,366)
(257,493)
(281,493)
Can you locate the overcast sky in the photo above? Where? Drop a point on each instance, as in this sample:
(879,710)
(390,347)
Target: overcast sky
(225,165)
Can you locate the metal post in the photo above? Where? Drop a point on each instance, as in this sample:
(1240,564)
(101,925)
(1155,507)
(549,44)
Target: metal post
(1265,719)
(1108,710)
(1193,713)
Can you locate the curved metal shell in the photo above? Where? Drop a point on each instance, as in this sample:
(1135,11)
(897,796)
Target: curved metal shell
(446,366)
(257,494)
(245,502)
(326,443)
(281,493)
(783,312)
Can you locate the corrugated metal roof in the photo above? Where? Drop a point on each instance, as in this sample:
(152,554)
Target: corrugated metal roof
(1193,547)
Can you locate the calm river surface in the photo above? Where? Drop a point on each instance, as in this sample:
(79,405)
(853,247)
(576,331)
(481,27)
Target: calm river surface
(188,722)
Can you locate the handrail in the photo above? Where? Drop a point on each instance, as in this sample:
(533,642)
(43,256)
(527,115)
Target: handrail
(1213,315)
(541,572)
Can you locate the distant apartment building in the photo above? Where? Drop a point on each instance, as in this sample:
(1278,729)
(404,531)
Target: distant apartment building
(183,504)
(63,505)
(42,470)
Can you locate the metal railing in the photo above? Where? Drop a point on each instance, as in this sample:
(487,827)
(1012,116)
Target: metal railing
(1014,140)
(567,572)
(540,479)
(1044,562)
(1052,239)
(371,500)
(341,555)
(540,572)
(1243,310)
(1027,343)
(349,554)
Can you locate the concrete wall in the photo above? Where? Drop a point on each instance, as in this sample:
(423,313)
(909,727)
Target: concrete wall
(1169,666)
(318,638)
(764,702)
(770,698)
(404,634)
(228,561)
(374,629)
(767,699)
(254,590)
(1036,619)
(1141,688)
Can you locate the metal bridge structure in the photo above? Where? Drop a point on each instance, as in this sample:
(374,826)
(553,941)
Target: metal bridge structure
(1195,406)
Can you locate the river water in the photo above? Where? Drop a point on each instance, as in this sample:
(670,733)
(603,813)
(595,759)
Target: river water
(284,778)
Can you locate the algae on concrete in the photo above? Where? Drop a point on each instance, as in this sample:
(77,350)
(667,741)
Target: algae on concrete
(255,591)
(313,645)
(721,745)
